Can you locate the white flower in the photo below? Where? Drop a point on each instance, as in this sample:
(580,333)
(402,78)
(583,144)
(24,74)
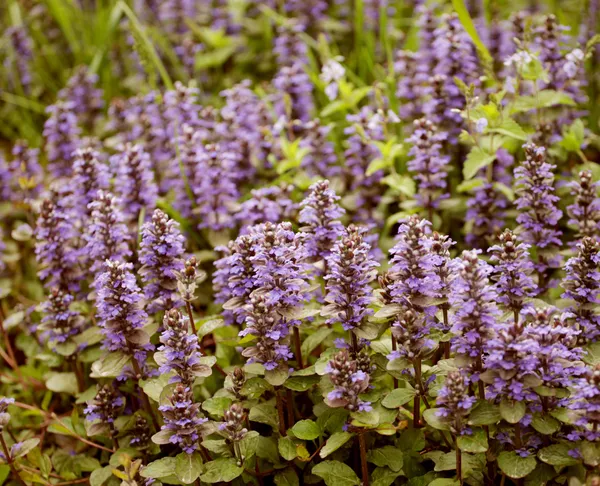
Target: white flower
(392,117)
(481,125)
(575,55)
(331,73)
(570,69)
(375,122)
(280,124)
(519,59)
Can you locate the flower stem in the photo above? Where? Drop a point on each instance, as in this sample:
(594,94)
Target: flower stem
(282,429)
(394,348)
(298,346)
(417,400)
(458,465)
(363,458)
(10,461)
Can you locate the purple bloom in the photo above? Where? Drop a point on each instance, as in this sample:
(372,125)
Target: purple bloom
(267,204)
(62,137)
(294,93)
(59,320)
(20,58)
(105,408)
(233,423)
(55,246)
(350,271)
(134,181)
(21,180)
(271,330)
(349,382)
(454,401)
(428,164)
(217,192)
(539,215)
(587,401)
(584,213)
(582,285)
(512,272)
(320,216)
(289,47)
(173,13)
(180,351)
(106,236)
(513,361)
(182,420)
(475,318)
(82,93)
(161,254)
(90,175)
(120,314)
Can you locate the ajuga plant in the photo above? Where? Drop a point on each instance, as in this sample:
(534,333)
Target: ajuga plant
(297,242)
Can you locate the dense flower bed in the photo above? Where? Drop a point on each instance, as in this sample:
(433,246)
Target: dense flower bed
(299,242)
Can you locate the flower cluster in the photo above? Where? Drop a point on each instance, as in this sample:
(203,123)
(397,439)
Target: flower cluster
(348,382)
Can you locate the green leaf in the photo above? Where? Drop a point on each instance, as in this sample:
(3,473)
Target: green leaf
(188,467)
(110,365)
(159,469)
(403,184)
(287,448)
(264,413)
(399,397)
(557,455)
(210,326)
(476,160)
(476,442)
(469,26)
(100,476)
(512,411)
(389,456)
(266,448)
(432,418)
(510,128)
(334,442)
(62,383)
(301,383)
(223,469)
(26,447)
(336,473)
(306,430)
(277,376)
(544,99)
(590,451)
(545,424)
(484,413)
(592,354)
(444,482)
(288,477)
(468,186)
(313,340)
(255,387)
(217,405)
(515,466)
(384,476)
(155,386)
(249,444)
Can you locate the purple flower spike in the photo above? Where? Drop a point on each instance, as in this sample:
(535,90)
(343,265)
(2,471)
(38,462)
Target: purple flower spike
(267,204)
(454,401)
(475,318)
(584,213)
(428,164)
(350,271)
(513,272)
(162,255)
(19,62)
(105,408)
(349,382)
(107,236)
(587,401)
(182,420)
(62,137)
(81,91)
(59,321)
(134,181)
(582,284)
(120,314)
(90,175)
(55,246)
(320,215)
(180,351)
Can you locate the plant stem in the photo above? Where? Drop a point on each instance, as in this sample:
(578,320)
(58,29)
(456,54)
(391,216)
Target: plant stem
(298,346)
(417,400)
(282,429)
(142,394)
(363,458)
(188,307)
(394,348)
(446,344)
(458,465)
(10,461)
(290,408)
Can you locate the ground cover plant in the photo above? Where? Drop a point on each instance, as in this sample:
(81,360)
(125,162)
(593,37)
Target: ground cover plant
(299,242)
